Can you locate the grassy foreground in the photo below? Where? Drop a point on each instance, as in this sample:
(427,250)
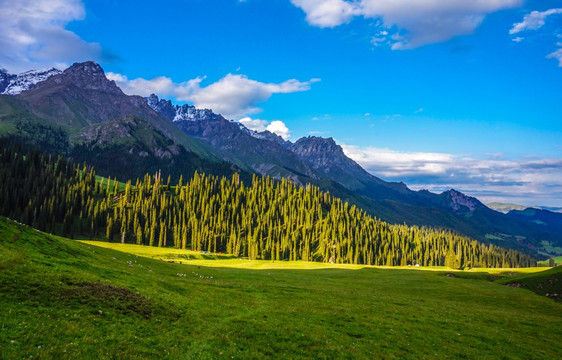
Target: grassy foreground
(65,299)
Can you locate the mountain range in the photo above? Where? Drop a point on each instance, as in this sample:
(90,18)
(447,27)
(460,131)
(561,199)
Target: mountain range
(79,113)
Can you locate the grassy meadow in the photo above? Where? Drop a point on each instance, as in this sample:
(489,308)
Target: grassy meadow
(65,299)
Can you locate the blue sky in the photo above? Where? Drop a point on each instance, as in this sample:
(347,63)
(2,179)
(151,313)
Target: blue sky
(436,93)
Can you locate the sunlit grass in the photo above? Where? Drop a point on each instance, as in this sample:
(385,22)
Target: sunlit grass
(64,299)
(200,258)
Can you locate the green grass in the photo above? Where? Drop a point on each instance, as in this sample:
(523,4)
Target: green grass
(121,185)
(557,260)
(65,299)
(547,283)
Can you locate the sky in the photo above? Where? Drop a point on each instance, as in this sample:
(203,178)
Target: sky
(440,94)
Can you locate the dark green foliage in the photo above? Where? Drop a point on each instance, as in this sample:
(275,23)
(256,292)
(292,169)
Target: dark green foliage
(266,220)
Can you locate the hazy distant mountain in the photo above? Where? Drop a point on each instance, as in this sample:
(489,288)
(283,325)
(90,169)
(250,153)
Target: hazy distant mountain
(507,207)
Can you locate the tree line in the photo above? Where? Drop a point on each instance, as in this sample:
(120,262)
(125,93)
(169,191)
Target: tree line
(267,219)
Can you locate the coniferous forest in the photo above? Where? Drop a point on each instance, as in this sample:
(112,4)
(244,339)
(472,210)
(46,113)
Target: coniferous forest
(266,219)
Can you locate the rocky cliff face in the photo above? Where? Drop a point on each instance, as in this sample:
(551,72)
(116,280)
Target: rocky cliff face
(457,201)
(328,157)
(86,76)
(179,112)
(322,153)
(137,136)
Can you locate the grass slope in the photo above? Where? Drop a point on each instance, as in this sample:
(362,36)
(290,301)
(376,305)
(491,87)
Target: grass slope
(557,261)
(547,283)
(70,300)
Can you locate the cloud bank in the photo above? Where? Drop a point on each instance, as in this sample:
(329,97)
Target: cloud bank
(490,177)
(406,24)
(234,96)
(33,34)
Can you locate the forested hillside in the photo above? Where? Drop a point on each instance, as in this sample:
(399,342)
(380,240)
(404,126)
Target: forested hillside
(267,219)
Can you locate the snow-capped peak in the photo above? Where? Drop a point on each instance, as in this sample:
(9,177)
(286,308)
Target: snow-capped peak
(179,112)
(16,84)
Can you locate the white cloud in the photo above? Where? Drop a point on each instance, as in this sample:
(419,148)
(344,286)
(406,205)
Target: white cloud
(327,13)
(556,55)
(414,23)
(487,176)
(276,126)
(233,96)
(518,39)
(390,163)
(254,124)
(33,34)
(533,20)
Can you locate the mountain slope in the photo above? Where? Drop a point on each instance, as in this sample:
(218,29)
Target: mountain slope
(261,156)
(132,147)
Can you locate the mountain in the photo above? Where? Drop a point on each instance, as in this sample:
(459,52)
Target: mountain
(261,153)
(548,221)
(81,113)
(76,106)
(5,78)
(322,162)
(179,112)
(11,84)
(328,158)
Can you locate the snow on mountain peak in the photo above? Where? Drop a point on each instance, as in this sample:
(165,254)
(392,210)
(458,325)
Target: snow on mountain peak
(179,112)
(16,84)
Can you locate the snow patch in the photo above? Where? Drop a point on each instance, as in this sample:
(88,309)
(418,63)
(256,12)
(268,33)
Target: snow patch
(24,81)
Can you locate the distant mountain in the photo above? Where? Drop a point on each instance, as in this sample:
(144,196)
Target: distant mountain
(327,157)
(548,222)
(262,153)
(11,84)
(179,112)
(507,207)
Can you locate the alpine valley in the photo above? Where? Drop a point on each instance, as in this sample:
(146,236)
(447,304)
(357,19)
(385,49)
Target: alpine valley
(136,228)
(80,114)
